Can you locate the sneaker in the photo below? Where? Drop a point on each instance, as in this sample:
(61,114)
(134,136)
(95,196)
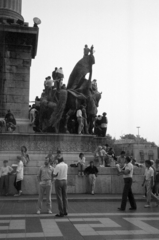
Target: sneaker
(38,212)
(16,195)
(92,192)
(20,192)
(49,212)
(79,174)
(82,174)
(147,206)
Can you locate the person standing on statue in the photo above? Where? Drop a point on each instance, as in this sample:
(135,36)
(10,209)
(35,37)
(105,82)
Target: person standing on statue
(54,74)
(79,120)
(84,116)
(45,178)
(104,122)
(86,50)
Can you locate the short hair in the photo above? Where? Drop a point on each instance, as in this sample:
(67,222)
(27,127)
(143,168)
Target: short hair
(122,152)
(58,151)
(128,159)
(81,154)
(19,158)
(5,161)
(60,159)
(148,162)
(91,162)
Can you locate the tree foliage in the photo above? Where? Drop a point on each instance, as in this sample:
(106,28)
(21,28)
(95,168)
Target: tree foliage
(137,139)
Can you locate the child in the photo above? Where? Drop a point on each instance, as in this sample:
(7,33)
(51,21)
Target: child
(4,182)
(81,164)
(19,176)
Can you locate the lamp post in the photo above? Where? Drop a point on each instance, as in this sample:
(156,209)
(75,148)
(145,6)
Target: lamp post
(138,131)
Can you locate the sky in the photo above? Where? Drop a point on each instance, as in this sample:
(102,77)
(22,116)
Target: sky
(125,35)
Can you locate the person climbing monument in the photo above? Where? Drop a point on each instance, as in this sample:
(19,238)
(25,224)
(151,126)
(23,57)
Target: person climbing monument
(86,50)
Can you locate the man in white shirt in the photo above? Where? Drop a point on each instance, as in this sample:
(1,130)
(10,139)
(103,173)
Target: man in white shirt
(127,191)
(19,176)
(148,181)
(60,172)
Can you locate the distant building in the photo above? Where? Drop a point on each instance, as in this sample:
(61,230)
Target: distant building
(140,151)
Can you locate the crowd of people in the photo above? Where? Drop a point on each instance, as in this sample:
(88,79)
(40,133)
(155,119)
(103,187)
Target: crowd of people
(78,123)
(55,169)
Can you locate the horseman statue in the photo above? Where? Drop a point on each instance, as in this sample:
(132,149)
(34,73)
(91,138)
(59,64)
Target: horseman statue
(59,104)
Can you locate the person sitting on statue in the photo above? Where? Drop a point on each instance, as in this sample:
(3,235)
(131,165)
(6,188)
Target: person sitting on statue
(97,128)
(54,74)
(49,82)
(86,50)
(10,122)
(58,82)
(32,114)
(80,120)
(94,85)
(36,123)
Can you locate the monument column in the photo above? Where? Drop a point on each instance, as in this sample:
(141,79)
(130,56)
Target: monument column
(18,45)
(11,9)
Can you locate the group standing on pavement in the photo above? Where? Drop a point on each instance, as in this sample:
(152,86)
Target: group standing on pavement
(45,177)
(55,169)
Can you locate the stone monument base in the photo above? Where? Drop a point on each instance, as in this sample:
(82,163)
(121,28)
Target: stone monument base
(71,145)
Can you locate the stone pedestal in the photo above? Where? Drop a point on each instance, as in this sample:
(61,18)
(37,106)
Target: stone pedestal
(18,45)
(39,145)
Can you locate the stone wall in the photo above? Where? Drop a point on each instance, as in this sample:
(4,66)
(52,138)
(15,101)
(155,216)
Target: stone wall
(108,182)
(16,75)
(38,145)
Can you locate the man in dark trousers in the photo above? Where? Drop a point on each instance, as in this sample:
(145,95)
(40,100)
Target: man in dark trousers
(91,172)
(60,172)
(127,191)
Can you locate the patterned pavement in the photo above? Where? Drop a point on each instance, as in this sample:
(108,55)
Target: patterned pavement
(86,221)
